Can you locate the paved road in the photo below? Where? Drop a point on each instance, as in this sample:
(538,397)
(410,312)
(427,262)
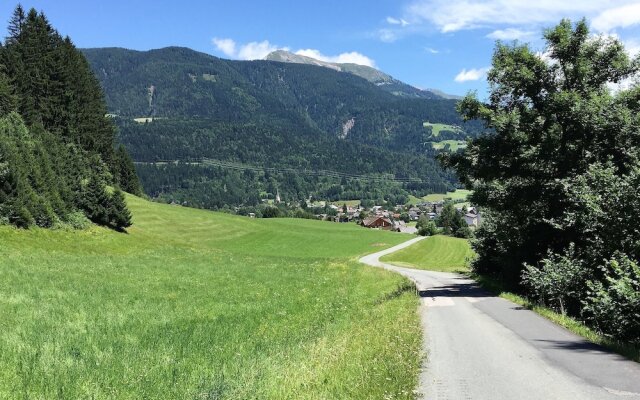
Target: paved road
(483,347)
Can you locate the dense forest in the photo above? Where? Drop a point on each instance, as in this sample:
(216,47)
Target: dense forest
(558,178)
(266,114)
(57,148)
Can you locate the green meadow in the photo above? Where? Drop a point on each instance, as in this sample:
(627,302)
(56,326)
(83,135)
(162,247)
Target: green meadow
(192,304)
(436,253)
(437,128)
(459,194)
(454,145)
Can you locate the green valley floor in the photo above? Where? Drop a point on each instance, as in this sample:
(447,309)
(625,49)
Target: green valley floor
(192,304)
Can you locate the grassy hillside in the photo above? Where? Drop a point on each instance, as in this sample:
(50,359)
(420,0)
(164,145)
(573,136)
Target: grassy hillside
(194,304)
(436,128)
(437,253)
(459,194)
(454,145)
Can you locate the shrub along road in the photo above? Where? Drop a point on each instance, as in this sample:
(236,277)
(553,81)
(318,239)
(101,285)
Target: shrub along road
(484,347)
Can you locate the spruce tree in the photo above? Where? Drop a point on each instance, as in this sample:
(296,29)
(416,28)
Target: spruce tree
(119,215)
(96,201)
(125,172)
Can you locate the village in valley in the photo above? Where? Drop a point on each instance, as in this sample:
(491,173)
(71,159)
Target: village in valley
(399,218)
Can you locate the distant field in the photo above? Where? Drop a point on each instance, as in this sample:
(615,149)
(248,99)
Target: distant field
(437,128)
(437,253)
(199,305)
(454,145)
(351,203)
(460,194)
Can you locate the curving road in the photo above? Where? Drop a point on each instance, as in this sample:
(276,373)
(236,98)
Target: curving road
(484,347)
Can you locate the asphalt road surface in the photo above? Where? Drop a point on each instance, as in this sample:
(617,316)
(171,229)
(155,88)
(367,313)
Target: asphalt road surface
(479,346)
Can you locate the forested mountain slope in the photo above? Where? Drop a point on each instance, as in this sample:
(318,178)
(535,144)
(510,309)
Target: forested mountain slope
(267,114)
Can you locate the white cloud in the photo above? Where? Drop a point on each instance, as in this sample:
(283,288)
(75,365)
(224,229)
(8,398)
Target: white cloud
(473,74)
(619,17)
(387,35)
(632,46)
(351,57)
(226,46)
(257,50)
(248,51)
(397,21)
(510,34)
(432,50)
(451,16)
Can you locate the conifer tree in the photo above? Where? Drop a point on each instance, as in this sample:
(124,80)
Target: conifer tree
(119,215)
(96,201)
(54,134)
(125,172)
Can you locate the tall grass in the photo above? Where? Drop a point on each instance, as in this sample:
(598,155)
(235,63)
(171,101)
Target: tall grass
(200,305)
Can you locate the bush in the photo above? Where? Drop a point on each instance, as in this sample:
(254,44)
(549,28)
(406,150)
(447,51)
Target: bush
(428,229)
(77,220)
(613,304)
(271,212)
(560,280)
(463,232)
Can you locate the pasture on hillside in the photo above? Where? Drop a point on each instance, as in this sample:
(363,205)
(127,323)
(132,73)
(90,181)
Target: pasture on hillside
(436,253)
(202,305)
(437,128)
(459,194)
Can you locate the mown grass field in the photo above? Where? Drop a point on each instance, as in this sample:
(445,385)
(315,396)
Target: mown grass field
(199,305)
(437,253)
(437,128)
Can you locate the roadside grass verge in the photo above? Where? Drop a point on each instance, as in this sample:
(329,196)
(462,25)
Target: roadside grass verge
(436,253)
(203,305)
(629,350)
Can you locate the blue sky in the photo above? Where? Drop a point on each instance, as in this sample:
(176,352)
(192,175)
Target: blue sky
(443,44)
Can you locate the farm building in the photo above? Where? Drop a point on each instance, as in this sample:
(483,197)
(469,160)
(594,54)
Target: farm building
(378,222)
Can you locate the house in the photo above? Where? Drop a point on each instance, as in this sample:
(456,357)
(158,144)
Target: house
(414,216)
(378,222)
(472,219)
(401,226)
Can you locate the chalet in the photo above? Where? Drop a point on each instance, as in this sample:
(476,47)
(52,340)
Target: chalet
(378,222)
(472,219)
(414,216)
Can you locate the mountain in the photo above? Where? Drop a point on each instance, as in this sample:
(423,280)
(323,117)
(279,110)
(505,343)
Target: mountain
(384,81)
(237,132)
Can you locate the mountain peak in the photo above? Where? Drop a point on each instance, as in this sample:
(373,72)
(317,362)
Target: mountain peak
(377,77)
(289,57)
